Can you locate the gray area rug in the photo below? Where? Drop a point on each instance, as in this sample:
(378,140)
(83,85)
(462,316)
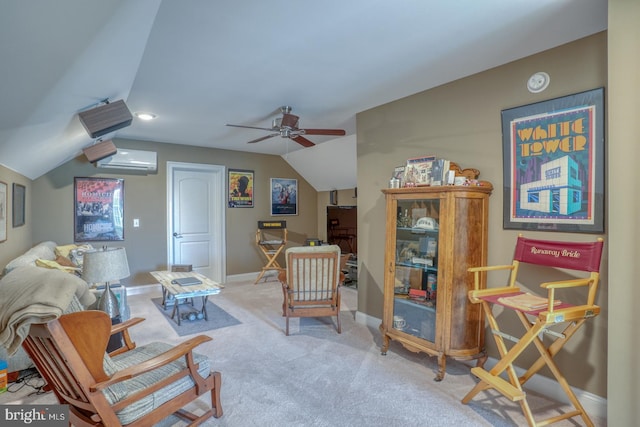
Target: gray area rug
(216,318)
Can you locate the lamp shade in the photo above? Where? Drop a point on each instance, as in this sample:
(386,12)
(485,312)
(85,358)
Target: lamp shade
(105,265)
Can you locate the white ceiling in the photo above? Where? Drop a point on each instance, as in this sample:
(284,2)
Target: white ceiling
(199,64)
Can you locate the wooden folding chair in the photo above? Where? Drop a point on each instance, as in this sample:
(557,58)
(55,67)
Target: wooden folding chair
(271,246)
(538,315)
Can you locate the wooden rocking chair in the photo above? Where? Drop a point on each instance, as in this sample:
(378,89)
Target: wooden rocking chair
(129,387)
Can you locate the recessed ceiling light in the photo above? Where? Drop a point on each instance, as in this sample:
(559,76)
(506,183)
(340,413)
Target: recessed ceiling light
(145,116)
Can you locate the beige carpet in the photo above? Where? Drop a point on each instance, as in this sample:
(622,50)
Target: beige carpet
(316,377)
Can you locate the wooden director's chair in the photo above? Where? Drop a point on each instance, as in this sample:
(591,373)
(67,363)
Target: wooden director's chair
(271,238)
(537,315)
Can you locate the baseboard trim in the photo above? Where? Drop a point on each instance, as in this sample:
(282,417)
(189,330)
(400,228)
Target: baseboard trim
(143,289)
(596,406)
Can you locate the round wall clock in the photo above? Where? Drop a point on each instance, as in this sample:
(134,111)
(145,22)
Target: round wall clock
(538,82)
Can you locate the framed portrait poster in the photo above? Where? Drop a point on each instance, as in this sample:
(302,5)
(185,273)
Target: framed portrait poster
(3,211)
(284,196)
(553,157)
(240,188)
(99,209)
(19,201)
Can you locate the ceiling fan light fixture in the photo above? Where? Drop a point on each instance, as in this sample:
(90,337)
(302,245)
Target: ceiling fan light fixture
(287,126)
(143,115)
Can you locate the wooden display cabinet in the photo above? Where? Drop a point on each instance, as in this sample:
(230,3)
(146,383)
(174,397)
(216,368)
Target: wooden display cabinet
(433,235)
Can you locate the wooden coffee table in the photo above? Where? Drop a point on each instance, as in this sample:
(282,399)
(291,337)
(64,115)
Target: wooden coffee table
(180,293)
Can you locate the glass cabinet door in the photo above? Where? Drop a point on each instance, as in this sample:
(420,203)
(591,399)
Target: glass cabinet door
(416,267)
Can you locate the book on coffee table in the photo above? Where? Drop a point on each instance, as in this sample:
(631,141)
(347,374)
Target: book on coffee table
(186,281)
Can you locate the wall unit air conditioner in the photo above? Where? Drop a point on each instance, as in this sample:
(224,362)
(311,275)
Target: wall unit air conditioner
(132,160)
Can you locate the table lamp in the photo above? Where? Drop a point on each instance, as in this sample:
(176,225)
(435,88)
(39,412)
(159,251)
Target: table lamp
(104,266)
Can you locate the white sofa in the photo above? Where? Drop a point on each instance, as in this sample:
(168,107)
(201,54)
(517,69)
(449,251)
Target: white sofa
(24,273)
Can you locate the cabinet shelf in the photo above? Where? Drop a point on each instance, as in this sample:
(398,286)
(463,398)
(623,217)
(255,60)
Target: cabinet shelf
(420,266)
(444,324)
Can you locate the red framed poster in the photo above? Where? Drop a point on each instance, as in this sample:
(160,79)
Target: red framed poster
(99,209)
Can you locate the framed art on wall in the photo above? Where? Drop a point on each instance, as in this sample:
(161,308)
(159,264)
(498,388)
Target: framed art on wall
(284,196)
(240,188)
(553,157)
(99,209)
(19,201)
(3,211)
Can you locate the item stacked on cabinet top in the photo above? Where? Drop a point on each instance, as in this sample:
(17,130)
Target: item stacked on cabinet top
(433,235)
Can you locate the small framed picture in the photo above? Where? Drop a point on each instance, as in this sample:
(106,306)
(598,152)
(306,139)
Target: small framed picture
(19,197)
(3,211)
(284,196)
(240,191)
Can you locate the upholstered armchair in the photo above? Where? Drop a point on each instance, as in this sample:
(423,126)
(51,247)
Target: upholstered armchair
(311,283)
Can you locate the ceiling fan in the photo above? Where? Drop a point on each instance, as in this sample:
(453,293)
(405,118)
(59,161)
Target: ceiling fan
(287,127)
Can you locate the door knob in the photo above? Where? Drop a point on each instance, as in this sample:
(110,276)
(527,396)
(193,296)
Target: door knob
(177,236)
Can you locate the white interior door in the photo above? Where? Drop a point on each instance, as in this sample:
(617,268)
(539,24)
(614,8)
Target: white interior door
(196,196)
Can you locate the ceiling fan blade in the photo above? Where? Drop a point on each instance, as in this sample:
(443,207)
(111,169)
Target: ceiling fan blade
(263,138)
(289,120)
(302,141)
(337,132)
(249,127)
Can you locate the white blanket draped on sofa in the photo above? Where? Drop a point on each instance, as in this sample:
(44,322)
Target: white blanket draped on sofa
(31,294)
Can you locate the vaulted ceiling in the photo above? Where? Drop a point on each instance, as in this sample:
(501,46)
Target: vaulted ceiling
(200,64)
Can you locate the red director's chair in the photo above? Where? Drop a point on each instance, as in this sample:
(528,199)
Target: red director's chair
(538,314)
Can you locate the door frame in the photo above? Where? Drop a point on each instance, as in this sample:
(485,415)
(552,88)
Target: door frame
(218,208)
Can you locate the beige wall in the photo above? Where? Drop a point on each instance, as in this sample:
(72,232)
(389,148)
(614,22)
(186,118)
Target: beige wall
(145,198)
(19,239)
(624,201)
(460,121)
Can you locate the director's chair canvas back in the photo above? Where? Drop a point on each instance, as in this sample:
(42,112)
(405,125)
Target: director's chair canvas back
(537,314)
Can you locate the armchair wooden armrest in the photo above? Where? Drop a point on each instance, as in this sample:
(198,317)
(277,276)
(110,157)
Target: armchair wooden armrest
(282,276)
(490,268)
(476,292)
(183,349)
(562,284)
(124,329)
(572,283)
(121,327)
